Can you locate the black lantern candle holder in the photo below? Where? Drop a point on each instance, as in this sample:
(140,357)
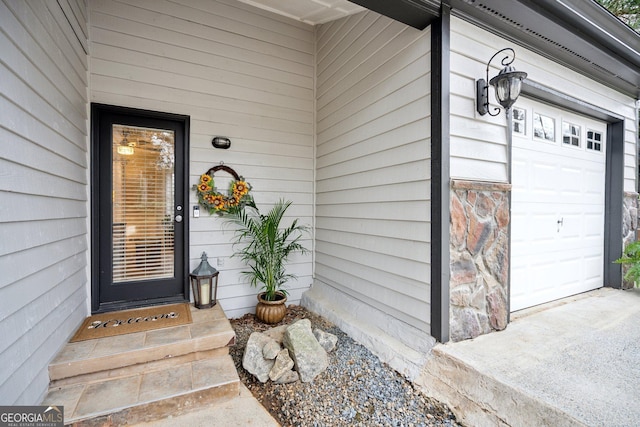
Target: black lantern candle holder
(204,284)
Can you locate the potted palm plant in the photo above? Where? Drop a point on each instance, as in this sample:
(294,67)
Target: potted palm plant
(265,246)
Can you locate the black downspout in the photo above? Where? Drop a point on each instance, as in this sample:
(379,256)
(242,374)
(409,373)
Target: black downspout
(440,174)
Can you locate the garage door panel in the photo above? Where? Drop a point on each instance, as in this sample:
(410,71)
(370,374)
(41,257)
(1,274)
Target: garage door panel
(540,279)
(572,245)
(594,226)
(537,277)
(592,179)
(544,217)
(571,179)
(519,175)
(557,232)
(544,179)
(552,254)
(593,267)
(533,227)
(558,184)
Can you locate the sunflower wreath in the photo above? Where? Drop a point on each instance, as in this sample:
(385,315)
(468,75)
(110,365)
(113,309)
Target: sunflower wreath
(234,201)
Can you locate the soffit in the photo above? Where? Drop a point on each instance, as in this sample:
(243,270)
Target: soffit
(580,34)
(311,12)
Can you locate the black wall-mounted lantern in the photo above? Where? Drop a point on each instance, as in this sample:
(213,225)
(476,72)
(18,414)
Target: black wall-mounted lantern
(221,142)
(204,284)
(507,83)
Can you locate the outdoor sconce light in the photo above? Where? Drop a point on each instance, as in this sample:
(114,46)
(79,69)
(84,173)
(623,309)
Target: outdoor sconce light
(204,284)
(221,142)
(508,83)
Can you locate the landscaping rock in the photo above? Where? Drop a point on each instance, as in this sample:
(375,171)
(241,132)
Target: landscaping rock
(283,364)
(288,377)
(277,333)
(308,355)
(253,360)
(326,340)
(271,349)
(356,380)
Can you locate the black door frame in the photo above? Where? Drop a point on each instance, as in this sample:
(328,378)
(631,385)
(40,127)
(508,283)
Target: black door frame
(98,112)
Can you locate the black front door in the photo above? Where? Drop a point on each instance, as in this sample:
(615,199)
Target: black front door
(139,196)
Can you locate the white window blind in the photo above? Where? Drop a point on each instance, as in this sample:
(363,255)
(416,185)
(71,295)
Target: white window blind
(143,203)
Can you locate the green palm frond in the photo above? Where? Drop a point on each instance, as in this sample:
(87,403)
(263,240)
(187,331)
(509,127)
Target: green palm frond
(631,255)
(265,247)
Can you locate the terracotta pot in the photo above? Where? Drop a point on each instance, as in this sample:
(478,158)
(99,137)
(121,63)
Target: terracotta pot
(271,311)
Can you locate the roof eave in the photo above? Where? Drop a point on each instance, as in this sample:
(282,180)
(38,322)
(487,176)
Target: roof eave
(415,13)
(579,34)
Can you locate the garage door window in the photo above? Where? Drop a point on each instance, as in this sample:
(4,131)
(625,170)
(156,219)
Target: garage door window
(544,127)
(571,134)
(594,140)
(519,120)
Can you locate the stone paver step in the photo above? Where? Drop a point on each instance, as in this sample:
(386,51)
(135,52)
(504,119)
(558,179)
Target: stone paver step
(151,394)
(208,335)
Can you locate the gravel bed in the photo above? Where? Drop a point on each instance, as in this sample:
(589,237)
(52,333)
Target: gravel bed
(356,389)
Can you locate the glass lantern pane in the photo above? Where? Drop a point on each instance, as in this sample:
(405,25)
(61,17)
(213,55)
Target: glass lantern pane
(502,90)
(516,86)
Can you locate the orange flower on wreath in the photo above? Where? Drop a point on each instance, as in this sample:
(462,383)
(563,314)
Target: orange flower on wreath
(218,202)
(233,202)
(205,179)
(204,187)
(240,188)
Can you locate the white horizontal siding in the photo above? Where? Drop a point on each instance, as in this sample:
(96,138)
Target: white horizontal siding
(372,165)
(43,189)
(478,143)
(237,71)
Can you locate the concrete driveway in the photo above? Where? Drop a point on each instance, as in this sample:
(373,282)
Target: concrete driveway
(572,362)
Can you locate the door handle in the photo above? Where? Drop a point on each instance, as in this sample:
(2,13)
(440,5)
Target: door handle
(178,218)
(560,223)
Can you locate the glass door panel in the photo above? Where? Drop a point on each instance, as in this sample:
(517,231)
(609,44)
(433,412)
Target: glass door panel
(143,183)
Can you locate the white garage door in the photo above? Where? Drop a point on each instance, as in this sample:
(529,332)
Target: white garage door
(558,204)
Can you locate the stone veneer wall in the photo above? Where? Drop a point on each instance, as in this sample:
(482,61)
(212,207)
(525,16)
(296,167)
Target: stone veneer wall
(479,258)
(629,227)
